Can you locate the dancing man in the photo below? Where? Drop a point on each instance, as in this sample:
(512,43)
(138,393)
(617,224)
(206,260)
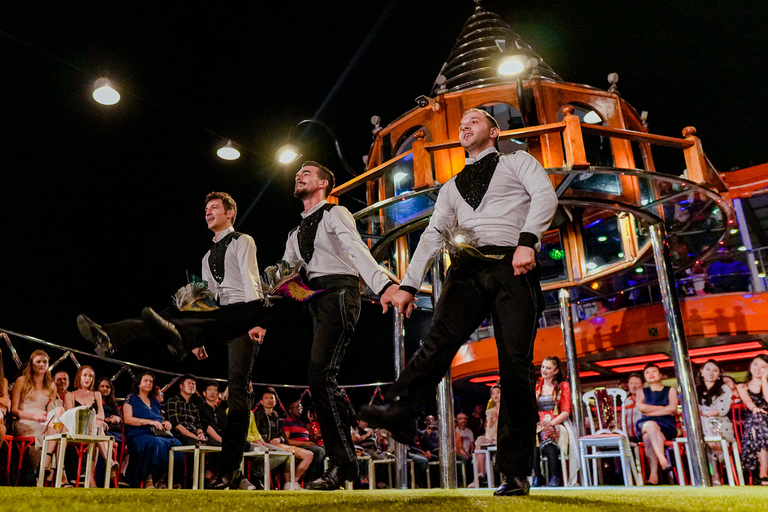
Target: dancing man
(231,270)
(502,203)
(328,245)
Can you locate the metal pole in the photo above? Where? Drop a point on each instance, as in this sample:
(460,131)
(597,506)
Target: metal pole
(401,462)
(569,340)
(758,285)
(686,387)
(445,427)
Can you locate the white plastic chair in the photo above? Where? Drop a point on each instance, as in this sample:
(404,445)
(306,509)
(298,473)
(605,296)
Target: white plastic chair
(606,439)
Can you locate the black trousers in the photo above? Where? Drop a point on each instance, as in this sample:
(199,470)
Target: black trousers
(334,317)
(473,289)
(230,325)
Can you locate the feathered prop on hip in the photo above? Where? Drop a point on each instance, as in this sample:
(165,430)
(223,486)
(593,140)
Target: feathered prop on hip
(195,297)
(458,239)
(285,281)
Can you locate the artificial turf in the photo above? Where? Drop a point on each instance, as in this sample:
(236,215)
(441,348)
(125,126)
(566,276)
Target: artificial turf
(672,499)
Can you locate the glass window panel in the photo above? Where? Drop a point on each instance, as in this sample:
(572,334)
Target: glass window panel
(602,239)
(552,257)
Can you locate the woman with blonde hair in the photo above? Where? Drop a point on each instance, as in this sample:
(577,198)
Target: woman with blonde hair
(33,404)
(5,399)
(491,423)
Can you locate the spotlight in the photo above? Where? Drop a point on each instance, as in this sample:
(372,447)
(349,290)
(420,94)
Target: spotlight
(228,151)
(287,153)
(104,93)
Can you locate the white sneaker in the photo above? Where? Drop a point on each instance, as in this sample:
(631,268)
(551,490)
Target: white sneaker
(292,486)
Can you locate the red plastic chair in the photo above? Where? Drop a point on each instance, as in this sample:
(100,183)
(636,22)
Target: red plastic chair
(23,443)
(8,443)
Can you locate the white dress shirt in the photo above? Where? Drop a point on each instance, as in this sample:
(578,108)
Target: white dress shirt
(520,199)
(242,282)
(339,249)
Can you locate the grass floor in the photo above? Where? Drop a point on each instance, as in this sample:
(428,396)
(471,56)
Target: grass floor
(672,499)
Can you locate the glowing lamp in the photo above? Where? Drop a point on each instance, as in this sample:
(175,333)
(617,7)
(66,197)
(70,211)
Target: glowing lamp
(511,66)
(228,151)
(104,93)
(287,154)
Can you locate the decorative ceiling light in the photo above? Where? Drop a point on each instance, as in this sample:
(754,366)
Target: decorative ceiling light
(592,117)
(104,93)
(228,151)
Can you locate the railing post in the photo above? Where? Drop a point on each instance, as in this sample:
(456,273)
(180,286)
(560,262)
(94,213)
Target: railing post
(14,354)
(445,427)
(687,387)
(695,163)
(758,285)
(401,462)
(422,162)
(571,357)
(573,140)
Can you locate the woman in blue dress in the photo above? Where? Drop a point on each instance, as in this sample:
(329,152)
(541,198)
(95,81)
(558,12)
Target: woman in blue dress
(148,452)
(658,404)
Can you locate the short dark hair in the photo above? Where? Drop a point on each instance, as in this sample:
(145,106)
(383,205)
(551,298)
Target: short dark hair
(226,200)
(324,174)
(634,374)
(271,391)
(137,381)
(187,377)
(210,383)
(650,365)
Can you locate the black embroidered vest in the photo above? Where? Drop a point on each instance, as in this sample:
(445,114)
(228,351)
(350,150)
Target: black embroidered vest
(308,232)
(216,258)
(472,182)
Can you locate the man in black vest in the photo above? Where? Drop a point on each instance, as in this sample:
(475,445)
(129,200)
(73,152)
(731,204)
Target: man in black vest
(231,270)
(504,203)
(329,247)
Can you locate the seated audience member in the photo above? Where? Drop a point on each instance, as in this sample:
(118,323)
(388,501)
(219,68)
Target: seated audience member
(148,435)
(315,433)
(728,381)
(420,458)
(754,440)
(213,419)
(727,274)
(297,434)
(367,439)
(33,404)
(84,396)
(466,436)
(111,410)
(633,414)
(554,431)
(276,459)
(268,423)
(658,403)
(714,406)
(61,381)
(184,415)
(5,399)
(492,418)
(476,421)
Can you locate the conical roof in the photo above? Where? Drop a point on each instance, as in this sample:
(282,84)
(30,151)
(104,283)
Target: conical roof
(470,62)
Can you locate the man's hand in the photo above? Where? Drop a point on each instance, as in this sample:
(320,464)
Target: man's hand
(387,298)
(200,353)
(257,334)
(524,260)
(404,302)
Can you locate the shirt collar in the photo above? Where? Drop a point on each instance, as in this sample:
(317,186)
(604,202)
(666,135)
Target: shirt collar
(482,154)
(224,233)
(313,209)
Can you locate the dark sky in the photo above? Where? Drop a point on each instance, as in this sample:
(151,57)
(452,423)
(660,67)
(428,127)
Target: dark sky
(104,209)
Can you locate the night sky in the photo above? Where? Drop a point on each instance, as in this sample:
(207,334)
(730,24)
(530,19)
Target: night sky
(104,205)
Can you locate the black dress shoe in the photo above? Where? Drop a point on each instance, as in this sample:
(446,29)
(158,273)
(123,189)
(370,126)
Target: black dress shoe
(164,331)
(93,333)
(393,417)
(513,486)
(334,477)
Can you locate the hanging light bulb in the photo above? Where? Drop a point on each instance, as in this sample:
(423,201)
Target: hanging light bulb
(104,93)
(228,151)
(287,154)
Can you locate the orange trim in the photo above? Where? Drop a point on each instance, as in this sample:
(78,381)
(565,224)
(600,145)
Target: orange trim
(727,314)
